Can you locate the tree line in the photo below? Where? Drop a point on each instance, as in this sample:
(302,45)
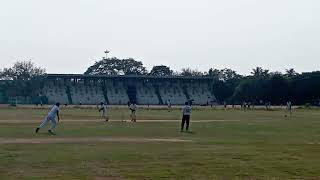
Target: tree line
(262,85)
(23,79)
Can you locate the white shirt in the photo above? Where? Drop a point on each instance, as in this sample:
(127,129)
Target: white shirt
(53,111)
(103,107)
(133,107)
(186,110)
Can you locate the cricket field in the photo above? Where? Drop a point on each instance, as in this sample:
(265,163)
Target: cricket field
(222,144)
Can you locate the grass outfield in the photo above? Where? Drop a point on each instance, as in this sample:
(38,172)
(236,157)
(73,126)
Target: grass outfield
(252,144)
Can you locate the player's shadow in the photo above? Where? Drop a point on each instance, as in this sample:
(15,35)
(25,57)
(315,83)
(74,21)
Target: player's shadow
(188,132)
(46,134)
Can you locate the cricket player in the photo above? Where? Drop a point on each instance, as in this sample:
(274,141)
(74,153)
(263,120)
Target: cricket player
(133,108)
(51,117)
(169,105)
(289,107)
(103,111)
(186,112)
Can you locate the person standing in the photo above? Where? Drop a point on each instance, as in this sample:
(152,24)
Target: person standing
(51,117)
(289,107)
(133,109)
(225,105)
(186,112)
(169,105)
(103,111)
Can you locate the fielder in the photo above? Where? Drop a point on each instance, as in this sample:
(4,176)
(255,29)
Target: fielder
(50,117)
(289,107)
(169,105)
(103,111)
(186,112)
(133,108)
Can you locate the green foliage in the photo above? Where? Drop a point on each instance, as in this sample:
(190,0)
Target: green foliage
(114,66)
(225,82)
(23,79)
(259,72)
(305,87)
(190,72)
(273,88)
(161,70)
(21,70)
(224,74)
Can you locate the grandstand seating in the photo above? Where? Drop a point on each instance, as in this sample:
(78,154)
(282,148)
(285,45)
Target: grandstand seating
(146,94)
(55,93)
(86,94)
(117,91)
(200,93)
(173,92)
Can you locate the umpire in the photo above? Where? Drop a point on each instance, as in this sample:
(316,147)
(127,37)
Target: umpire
(186,112)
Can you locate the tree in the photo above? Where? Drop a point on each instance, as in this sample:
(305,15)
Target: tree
(161,70)
(277,89)
(305,87)
(24,79)
(21,70)
(291,73)
(221,91)
(251,89)
(190,72)
(131,66)
(229,74)
(259,72)
(225,82)
(115,66)
(215,74)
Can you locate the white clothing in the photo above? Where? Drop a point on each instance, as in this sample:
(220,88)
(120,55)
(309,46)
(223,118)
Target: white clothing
(133,107)
(103,109)
(53,112)
(186,110)
(45,121)
(289,105)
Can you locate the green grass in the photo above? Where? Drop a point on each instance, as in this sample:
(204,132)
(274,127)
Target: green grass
(261,145)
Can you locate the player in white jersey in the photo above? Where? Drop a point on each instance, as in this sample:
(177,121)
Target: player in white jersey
(50,117)
(289,107)
(186,112)
(133,109)
(169,105)
(103,111)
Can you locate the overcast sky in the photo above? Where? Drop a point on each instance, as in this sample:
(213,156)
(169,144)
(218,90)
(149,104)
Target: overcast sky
(67,36)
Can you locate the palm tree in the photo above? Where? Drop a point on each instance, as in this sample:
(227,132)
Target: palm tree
(291,72)
(259,72)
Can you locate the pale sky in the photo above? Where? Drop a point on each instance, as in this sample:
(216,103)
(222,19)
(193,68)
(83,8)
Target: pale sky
(67,36)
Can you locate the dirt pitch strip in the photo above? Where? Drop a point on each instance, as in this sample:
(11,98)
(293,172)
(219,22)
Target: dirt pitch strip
(87,140)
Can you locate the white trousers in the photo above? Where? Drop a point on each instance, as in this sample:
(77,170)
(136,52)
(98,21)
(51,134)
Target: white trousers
(103,114)
(45,121)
